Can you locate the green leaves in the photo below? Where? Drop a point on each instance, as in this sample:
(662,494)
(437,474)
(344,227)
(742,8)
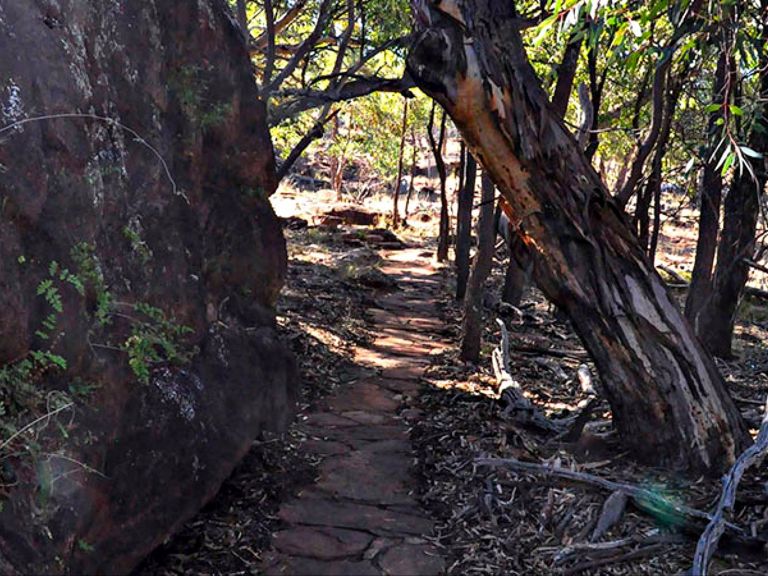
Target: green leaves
(155,339)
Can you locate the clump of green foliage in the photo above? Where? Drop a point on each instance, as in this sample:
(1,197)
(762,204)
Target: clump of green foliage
(91,275)
(155,339)
(138,245)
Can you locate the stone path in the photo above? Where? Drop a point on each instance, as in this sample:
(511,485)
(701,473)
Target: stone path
(360,517)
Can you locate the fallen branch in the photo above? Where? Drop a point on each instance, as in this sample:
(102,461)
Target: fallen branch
(709,539)
(556,352)
(516,405)
(674,274)
(682,284)
(668,512)
(574,432)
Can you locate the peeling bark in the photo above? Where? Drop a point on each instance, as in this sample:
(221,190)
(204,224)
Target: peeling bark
(669,402)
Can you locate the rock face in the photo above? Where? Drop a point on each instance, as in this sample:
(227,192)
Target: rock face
(140,262)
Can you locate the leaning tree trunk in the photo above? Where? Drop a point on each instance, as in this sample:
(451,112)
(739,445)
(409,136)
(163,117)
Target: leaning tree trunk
(669,402)
(464,225)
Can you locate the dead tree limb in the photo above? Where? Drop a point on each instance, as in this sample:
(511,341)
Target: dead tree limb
(709,539)
(666,511)
(516,406)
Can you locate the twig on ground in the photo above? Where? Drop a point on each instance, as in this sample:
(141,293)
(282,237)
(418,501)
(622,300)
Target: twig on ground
(611,513)
(709,539)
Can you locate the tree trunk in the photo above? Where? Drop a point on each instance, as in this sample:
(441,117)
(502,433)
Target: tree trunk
(464,225)
(566,72)
(337,164)
(717,317)
(437,147)
(669,403)
(518,274)
(520,265)
(412,177)
(472,325)
(242,16)
(596,86)
(661,77)
(651,192)
(737,243)
(709,218)
(400,158)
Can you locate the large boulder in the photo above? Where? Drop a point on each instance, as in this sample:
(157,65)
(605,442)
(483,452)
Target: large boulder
(140,261)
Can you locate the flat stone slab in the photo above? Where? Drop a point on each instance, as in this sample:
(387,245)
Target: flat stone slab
(328,420)
(399,347)
(360,437)
(325,447)
(382,358)
(322,543)
(370,396)
(399,446)
(403,372)
(365,417)
(377,478)
(314,511)
(389,319)
(401,386)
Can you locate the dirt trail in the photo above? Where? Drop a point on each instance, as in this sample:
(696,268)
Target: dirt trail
(360,516)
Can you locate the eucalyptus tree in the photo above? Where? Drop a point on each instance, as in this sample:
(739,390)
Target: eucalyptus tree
(669,401)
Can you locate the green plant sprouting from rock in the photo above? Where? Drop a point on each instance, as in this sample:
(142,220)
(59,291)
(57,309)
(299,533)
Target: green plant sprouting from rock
(155,339)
